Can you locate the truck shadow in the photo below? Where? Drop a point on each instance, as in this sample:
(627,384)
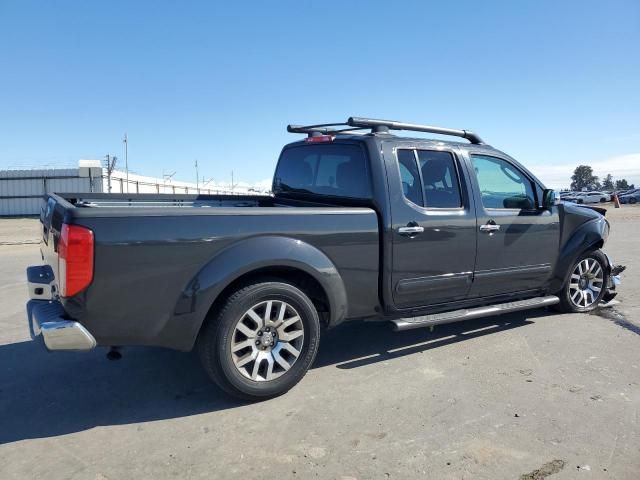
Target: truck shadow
(49,394)
(376,342)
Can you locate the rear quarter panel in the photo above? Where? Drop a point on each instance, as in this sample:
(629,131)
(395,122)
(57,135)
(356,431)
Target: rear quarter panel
(143,264)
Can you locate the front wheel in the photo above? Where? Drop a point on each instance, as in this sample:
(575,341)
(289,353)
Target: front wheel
(586,283)
(262,341)
(632,200)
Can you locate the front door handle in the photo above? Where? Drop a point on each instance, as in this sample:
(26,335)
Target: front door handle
(489,228)
(410,230)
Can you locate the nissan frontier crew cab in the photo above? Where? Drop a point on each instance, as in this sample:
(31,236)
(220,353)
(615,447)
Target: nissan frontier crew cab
(362,225)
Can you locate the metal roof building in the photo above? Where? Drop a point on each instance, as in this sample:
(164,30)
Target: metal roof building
(21,191)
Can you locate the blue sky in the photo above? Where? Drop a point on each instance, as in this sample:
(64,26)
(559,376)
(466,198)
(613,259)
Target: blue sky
(552,83)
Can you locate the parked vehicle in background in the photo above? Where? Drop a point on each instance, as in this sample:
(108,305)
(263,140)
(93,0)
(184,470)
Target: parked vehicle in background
(607,197)
(592,197)
(630,197)
(569,196)
(362,225)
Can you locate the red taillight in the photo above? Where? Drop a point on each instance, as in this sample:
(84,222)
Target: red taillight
(319,139)
(75,259)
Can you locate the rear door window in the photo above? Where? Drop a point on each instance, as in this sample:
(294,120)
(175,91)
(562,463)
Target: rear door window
(439,179)
(410,177)
(339,170)
(429,178)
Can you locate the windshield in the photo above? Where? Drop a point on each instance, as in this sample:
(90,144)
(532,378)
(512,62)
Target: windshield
(334,169)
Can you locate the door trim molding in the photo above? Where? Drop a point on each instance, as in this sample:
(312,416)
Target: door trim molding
(542,268)
(409,286)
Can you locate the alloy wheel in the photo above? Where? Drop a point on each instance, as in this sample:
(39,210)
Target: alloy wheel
(586,283)
(267,340)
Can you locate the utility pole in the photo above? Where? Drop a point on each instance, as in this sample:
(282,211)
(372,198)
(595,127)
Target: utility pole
(233,185)
(111,164)
(197,178)
(126,157)
(108,163)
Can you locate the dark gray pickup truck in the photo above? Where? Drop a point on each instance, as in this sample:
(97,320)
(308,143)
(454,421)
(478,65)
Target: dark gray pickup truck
(362,225)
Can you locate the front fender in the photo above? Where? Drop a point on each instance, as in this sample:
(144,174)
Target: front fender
(254,254)
(585,237)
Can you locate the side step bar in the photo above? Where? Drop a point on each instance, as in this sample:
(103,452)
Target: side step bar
(470,313)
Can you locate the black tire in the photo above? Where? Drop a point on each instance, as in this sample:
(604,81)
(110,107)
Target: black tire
(632,200)
(580,201)
(566,304)
(603,200)
(216,337)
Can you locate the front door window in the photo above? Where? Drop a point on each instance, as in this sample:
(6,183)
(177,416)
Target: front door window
(502,185)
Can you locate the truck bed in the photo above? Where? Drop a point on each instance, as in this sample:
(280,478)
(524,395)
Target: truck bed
(151,250)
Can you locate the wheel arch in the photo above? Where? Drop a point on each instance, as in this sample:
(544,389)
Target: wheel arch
(266,257)
(294,276)
(587,237)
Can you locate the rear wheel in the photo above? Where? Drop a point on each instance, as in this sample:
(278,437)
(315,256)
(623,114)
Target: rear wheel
(586,283)
(633,200)
(262,342)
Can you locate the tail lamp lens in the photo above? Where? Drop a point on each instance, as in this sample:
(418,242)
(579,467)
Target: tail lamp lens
(75,259)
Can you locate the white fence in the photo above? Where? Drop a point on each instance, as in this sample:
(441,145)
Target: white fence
(142,184)
(21,191)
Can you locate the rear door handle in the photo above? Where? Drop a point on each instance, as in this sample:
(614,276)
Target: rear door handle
(410,230)
(489,228)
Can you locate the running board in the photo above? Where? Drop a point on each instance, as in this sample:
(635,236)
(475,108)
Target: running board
(470,313)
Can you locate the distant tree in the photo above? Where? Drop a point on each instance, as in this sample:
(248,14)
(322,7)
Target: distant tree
(607,183)
(622,184)
(583,177)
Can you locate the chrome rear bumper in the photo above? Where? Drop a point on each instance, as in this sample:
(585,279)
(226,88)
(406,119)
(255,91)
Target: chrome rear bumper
(46,316)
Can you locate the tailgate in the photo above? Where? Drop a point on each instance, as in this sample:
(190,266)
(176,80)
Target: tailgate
(51,219)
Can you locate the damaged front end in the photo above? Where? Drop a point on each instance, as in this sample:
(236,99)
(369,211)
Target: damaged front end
(613,282)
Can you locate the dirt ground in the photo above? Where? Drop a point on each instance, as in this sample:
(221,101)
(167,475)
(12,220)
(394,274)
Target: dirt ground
(527,395)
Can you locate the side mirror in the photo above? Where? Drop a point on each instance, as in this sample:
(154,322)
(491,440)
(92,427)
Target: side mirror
(518,202)
(550,198)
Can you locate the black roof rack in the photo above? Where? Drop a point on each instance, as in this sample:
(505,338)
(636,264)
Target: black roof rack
(379,126)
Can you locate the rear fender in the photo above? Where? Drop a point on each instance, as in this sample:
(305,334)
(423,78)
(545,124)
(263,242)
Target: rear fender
(248,256)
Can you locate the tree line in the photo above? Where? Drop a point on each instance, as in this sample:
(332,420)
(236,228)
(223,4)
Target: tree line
(583,178)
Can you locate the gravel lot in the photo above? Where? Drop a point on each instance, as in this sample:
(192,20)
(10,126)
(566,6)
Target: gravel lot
(524,395)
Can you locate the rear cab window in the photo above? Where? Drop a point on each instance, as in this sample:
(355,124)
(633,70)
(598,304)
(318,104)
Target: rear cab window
(335,169)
